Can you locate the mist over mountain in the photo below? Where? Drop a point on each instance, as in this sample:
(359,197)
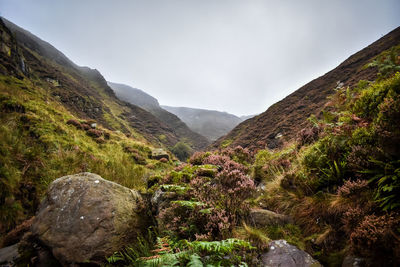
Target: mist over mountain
(209,123)
(134,96)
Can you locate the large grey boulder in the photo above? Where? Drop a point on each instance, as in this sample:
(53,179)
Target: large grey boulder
(261,218)
(280,253)
(84,218)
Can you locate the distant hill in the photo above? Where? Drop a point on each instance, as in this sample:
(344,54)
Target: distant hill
(283,120)
(209,123)
(139,98)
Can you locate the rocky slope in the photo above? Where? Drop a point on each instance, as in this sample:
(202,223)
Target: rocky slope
(283,120)
(209,123)
(139,98)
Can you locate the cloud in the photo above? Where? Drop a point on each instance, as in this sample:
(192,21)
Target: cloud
(235,56)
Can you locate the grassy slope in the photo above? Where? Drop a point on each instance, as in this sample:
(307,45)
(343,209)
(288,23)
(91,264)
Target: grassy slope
(36,143)
(38,146)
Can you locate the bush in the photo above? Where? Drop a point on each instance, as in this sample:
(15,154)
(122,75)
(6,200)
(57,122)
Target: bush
(182,151)
(377,236)
(216,203)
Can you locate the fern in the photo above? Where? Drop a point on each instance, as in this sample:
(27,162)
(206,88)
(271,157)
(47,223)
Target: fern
(195,261)
(387,178)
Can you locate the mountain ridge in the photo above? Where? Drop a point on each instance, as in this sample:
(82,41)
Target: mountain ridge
(142,99)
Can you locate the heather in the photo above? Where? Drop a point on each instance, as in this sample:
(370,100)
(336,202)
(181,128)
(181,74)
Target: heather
(342,184)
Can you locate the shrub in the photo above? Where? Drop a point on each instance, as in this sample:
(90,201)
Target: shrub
(222,198)
(94,133)
(351,188)
(164,160)
(75,123)
(377,236)
(198,157)
(238,154)
(308,135)
(182,151)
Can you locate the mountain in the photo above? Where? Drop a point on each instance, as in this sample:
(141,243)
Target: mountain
(139,98)
(209,123)
(84,91)
(134,96)
(283,120)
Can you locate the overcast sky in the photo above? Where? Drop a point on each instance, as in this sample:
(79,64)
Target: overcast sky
(239,56)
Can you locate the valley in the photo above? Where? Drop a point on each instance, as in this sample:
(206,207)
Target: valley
(97,173)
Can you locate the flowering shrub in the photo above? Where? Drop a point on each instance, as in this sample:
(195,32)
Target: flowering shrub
(222,197)
(350,188)
(377,235)
(238,154)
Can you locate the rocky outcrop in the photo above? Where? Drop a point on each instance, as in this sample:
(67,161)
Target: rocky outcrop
(84,218)
(280,253)
(262,218)
(159,153)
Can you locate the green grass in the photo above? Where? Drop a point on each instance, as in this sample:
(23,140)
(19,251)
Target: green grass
(37,146)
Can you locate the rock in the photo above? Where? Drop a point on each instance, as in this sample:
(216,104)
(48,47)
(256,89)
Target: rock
(280,253)
(353,261)
(159,153)
(84,218)
(8,255)
(262,218)
(161,199)
(160,202)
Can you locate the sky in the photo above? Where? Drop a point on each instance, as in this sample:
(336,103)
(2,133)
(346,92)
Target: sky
(238,56)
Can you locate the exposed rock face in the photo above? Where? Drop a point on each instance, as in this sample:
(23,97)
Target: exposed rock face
(85,218)
(281,253)
(261,218)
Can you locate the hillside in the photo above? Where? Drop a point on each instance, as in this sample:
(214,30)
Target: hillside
(209,123)
(283,120)
(139,98)
(57,118)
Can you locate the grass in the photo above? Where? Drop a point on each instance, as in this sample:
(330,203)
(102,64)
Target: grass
(37,146)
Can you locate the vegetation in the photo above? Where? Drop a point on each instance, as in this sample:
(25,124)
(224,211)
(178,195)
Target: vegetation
(339,181)
(184,253)
(41,141)
(181,150)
